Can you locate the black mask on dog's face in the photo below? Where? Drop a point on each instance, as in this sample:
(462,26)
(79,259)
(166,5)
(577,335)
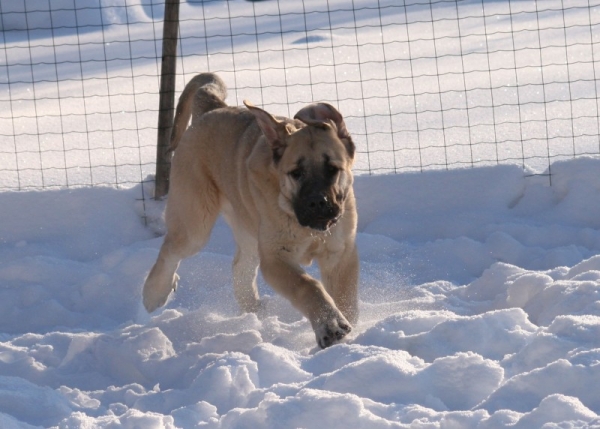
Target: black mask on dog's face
(317,205)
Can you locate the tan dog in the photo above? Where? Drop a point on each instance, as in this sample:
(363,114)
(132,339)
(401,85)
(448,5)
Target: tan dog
(285,188)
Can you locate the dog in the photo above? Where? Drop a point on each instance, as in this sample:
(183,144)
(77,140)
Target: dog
(283,185)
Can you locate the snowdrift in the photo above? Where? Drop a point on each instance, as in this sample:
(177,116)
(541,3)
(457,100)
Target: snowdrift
(480,307)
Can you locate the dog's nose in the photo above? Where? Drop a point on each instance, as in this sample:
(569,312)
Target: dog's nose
(317,201)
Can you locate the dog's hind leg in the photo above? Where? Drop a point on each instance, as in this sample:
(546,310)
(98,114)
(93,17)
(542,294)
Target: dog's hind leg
(339,272)
(192,210)
(162,278)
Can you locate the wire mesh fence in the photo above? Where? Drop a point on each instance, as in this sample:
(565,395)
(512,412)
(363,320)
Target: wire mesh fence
(423,84)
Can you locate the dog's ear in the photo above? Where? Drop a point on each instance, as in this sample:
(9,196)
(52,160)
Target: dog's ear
(274,131)
(319,113)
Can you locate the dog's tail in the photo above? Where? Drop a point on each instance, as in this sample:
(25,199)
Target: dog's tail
(205,92)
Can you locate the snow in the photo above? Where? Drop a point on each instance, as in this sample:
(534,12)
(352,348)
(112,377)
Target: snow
(479,290)
(480,307)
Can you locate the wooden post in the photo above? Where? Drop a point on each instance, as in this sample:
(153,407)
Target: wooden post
(166,107)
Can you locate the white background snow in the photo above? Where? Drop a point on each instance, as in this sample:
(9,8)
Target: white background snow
(479,300)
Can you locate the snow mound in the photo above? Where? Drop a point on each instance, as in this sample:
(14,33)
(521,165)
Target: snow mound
(480,307)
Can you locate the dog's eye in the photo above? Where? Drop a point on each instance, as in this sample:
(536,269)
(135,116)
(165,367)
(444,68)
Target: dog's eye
(331,169)
(297,174)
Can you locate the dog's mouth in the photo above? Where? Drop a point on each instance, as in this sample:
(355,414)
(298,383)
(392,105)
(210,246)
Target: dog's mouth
(320,224)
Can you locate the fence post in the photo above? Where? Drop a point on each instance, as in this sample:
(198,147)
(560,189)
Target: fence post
(167,97)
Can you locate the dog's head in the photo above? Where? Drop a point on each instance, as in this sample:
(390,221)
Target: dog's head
(313,156)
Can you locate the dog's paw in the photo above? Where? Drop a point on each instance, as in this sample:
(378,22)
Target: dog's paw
(332,330)
(155,297)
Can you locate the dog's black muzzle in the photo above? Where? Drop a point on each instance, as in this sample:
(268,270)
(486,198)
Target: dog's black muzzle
(317,211)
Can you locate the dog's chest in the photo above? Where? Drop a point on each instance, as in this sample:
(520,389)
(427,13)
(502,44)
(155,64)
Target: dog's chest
(317,245)
(310,249)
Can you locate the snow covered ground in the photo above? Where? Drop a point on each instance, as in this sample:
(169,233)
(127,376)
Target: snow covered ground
(480,288)
(479,300)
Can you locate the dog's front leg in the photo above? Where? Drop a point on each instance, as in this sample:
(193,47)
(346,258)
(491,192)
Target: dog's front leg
(339,271)
(308,295)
